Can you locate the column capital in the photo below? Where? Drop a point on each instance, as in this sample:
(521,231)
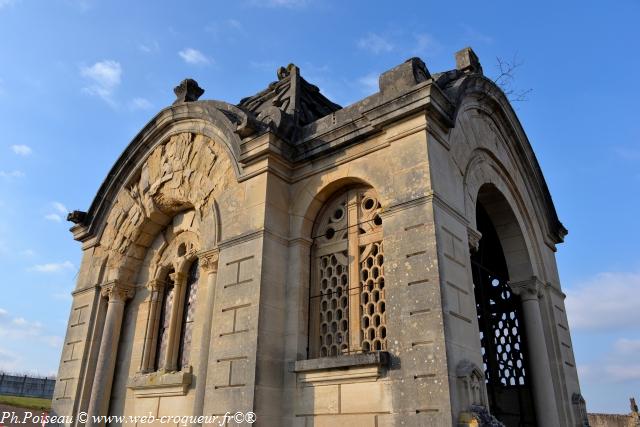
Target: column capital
(178,278)
(209,260)
(530,289)
(115,290)
(156,284)
(474,239)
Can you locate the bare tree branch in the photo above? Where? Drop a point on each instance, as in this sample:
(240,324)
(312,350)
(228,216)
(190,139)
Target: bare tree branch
(506,77)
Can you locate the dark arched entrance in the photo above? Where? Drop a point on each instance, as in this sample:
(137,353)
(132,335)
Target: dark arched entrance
(502,333)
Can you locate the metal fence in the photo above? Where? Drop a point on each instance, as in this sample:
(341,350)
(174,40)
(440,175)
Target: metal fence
(24,385)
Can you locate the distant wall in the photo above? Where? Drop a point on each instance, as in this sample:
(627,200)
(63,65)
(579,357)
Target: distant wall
(611,420)
(26,386)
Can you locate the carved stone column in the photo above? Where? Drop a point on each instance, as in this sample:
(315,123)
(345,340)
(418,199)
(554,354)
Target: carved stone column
(540,368)
(179,279)
(156,288)
(117,294)
(209,265)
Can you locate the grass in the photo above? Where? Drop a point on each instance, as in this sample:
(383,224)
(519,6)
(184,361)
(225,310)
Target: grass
(26,402)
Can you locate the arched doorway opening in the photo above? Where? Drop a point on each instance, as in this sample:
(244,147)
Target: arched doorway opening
(500,318)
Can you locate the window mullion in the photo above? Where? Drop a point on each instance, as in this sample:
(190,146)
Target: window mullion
(354,272)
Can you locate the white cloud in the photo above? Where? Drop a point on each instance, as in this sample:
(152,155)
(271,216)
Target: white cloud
(6,3)
(280,3)
(608,301)
(369,83)
(104,77)
(151,47)
(425,45)
(21,149)
(52,267)
(474,36)
(620,364)
(3,312)
(193,56)
(53,217)
(11,174)
(60,208)
(140,104)
(375,43)
(28,252)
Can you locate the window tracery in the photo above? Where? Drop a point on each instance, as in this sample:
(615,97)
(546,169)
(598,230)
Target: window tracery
(347,293)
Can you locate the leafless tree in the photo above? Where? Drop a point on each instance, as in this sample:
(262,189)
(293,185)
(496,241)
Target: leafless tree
(505,79)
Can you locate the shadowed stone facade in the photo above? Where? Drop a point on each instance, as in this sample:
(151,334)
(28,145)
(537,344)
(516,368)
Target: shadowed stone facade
(383,264)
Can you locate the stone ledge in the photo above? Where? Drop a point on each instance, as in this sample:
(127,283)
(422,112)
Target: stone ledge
(161,383)
(378,359)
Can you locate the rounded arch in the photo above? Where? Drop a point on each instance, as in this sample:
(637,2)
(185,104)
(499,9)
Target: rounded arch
(487,182)
(215,120)
(480,102)
(311,198)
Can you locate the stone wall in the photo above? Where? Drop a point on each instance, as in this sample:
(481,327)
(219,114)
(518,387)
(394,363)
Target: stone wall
(611,420)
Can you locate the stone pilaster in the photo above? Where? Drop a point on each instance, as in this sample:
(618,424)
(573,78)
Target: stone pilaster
(209,264)
(117,294)
(530,292)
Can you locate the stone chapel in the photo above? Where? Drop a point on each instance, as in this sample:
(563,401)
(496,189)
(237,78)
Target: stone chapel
(388,263)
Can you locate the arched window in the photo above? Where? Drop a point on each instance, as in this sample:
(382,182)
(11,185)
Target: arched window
(186,329)
(172,313)
(347,299)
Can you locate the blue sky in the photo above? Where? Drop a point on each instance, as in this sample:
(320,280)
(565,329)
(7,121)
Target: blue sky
(79,78)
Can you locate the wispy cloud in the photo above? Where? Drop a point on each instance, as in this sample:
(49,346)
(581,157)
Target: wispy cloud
(473,36)
(194,56)
(28,252)
(620,364)
(7,3)
(375,44)
(151,47)
(369,83)
(140,104)
(11,174)
(103,77)
(291,4)
(628,153)
(53,217)
(608,301)
(60,212)
(19,328)
(21,149)
(53,267)
(425,45)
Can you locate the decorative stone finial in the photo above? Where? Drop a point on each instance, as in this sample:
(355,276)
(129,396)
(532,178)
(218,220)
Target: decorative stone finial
(286,71)
(467,61)
(187,91)
(76,217)
(404,76)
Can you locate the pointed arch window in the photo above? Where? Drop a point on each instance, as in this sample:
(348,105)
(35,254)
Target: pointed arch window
(347,302)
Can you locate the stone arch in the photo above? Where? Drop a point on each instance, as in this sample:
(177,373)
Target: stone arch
(480,102)
(486,180)
(185,172)
(310,199)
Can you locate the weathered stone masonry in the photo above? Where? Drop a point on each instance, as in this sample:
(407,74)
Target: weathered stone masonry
(383,264)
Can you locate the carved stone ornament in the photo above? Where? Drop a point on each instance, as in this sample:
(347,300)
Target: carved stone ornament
(527,289)
(76,217)
(474,239)
(209,261)
(156,284)
(117,291)
(187,91)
